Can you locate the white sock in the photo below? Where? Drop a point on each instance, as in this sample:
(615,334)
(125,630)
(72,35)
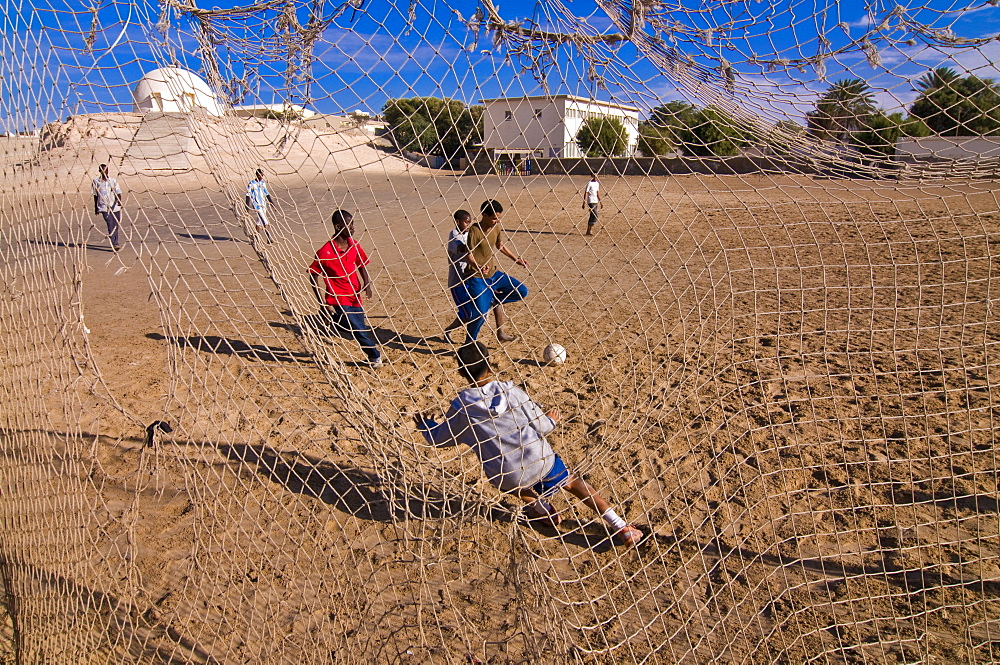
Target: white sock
(613,520)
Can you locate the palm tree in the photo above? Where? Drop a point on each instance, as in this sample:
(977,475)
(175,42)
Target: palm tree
(942,77)
(841,110)
(956,106)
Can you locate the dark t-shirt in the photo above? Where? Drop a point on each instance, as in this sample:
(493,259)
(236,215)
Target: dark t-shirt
(483,245)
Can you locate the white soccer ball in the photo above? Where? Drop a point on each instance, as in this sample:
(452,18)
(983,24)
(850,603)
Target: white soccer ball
(554,353)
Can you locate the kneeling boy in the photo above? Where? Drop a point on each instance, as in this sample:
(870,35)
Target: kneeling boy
(507,432)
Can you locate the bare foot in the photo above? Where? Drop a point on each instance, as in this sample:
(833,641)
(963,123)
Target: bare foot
(629,536)
(504,337)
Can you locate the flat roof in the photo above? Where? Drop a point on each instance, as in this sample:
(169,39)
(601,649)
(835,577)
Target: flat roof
(574,98)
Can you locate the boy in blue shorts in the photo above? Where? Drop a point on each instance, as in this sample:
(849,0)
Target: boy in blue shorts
(487,287)
(457,251)
(507,432)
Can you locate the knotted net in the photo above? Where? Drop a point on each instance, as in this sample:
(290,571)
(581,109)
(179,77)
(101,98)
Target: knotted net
(782,340)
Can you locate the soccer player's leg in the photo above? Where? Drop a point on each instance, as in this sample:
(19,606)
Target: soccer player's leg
(112,219)
(506,289)
(461,297)
(480,300)
(362,333)
(624,533)
(336,321)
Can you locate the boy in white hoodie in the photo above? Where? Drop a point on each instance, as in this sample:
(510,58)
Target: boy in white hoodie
(507,432)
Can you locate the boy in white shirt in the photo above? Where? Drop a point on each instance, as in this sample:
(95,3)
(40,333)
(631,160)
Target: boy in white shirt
(257,199)
(507,432)
(108,202)
(592,198)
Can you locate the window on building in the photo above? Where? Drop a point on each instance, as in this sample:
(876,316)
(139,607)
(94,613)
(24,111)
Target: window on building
(508,115)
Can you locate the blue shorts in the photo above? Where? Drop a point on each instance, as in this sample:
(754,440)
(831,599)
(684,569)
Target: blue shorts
(555,479)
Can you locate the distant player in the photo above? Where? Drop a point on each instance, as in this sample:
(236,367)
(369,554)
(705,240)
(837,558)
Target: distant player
(592,200)
(457,264)
(486,286)
(257,200)
(507,432)
(108,203)
(339,276)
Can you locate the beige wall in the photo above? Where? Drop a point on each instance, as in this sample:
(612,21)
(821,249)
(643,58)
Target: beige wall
(958,147)
(546,127)
(522,125)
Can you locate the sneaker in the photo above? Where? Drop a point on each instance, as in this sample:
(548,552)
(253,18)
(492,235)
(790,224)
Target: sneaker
(447,337)
(117,248)
(629,536)
(378,362)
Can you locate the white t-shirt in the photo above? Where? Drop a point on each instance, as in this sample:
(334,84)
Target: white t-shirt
(106,191)
(456,256)
(592,188)
(257,193)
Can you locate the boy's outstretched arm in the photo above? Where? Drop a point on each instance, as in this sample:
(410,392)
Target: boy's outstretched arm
(441,434)
(541,422)
(517,259)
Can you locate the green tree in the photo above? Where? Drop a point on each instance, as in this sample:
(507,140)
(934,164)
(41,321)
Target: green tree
(409,124)
(877,139)
(783,137)
(955,106)
(790,128)
(655,141)
(429,125)
(842,110)
(704,132)
(602,136)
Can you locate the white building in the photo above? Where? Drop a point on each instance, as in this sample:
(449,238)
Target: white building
(546,126)
(174,90)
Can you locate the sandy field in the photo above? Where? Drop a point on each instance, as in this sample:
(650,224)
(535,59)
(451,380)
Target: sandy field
(788,382)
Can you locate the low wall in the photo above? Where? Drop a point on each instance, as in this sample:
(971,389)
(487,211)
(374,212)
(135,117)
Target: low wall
(652,166)
(948,148)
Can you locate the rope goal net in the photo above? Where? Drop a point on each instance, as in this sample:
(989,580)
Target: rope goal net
(777,312)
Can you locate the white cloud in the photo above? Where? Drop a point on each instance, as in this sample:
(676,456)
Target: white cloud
(863,22)
(962,13)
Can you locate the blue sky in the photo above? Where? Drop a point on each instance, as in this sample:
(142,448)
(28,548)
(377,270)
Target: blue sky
(365,57)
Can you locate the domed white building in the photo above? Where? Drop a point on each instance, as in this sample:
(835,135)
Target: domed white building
(174,90)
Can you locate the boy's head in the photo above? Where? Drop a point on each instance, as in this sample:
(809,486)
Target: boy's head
(259,174)
(102,170)
(593,177)
(343,224)
(473,360)
(463,219)
(491,209)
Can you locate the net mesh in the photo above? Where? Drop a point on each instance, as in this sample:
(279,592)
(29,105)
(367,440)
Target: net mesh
(782,339)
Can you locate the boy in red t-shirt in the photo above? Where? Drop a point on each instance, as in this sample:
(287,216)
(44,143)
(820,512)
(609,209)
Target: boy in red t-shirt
(339,276)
